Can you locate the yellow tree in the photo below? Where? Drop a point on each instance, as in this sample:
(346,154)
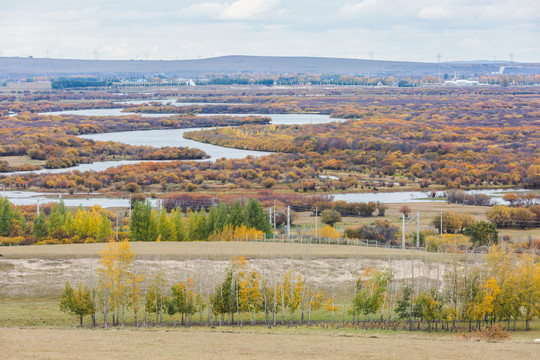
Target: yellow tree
(115,275)
(315,303)
(293,289)
(529,288)
(490,291)
(250,296)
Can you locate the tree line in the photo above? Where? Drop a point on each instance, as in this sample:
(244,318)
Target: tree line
(503,288)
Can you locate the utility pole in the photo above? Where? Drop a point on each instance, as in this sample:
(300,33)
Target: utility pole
(316,225)
(117,226)
(274,214)
(288,221)
(270,216)
(37,208)
(418,229)
(441,221)
(403,231)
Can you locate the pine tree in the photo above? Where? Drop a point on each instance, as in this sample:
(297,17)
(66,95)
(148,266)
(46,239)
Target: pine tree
(211,221)
(236,218)
(221,217)
(5,217)
(40,227)
(256,217)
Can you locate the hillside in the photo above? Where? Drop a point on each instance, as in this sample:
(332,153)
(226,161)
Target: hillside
(13,68)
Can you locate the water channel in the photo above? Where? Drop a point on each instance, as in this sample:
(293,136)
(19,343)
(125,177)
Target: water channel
(175,137)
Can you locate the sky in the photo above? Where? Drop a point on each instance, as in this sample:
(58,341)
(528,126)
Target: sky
(408,30)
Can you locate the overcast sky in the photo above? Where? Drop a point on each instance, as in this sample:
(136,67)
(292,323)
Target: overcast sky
(415,30)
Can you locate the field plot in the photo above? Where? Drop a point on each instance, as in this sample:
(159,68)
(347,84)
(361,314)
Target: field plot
(43,270)
(212,250)
(235,344)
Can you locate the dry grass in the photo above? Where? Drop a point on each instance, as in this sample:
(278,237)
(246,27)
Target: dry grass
(217,250)
(428,211)
(198,343)
(23,86)
(21,160)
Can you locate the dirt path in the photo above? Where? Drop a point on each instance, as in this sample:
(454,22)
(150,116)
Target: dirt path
(206,344)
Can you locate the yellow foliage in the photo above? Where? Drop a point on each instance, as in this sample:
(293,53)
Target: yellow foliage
(443,242)
(229,233)
(330,305)
(328,232)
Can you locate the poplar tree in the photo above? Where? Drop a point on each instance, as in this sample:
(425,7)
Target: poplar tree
(143,222)
(57,219)
(178,221)
(165,227)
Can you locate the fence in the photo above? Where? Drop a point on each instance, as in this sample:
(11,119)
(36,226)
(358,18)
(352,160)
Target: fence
(307,239)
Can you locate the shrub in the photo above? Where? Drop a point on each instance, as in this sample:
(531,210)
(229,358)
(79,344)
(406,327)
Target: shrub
(483,233)
(444,242)
(330,217)
(328,232)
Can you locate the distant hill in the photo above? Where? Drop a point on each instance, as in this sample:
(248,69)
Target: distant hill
(19,67)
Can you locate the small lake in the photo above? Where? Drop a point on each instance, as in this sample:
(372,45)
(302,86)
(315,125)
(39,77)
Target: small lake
(418,196)
(173,137)
(101,112)
(172,102)
(31,198)
(277,119)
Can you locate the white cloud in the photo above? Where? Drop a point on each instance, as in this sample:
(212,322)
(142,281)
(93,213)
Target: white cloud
(170,29)
(435,12)
(246,9)
(473,43)
(237,10)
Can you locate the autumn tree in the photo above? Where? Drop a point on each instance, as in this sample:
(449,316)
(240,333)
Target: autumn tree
(77,301)
(482,233)
(116,279)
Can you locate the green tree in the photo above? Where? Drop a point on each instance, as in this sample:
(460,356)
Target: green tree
(104,228)
(482,233)
(211,221)
(197,225)
(178,222)
(143,222)
(236,218)
(40,229)
(330,217)
(221,217)
(256,217)
(165,227)
(5,217)
(57,219)
(77,301)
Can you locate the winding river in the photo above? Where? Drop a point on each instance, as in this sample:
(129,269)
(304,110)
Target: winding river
(175,137)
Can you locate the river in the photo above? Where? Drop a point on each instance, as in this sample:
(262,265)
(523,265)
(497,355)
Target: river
(87,200)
